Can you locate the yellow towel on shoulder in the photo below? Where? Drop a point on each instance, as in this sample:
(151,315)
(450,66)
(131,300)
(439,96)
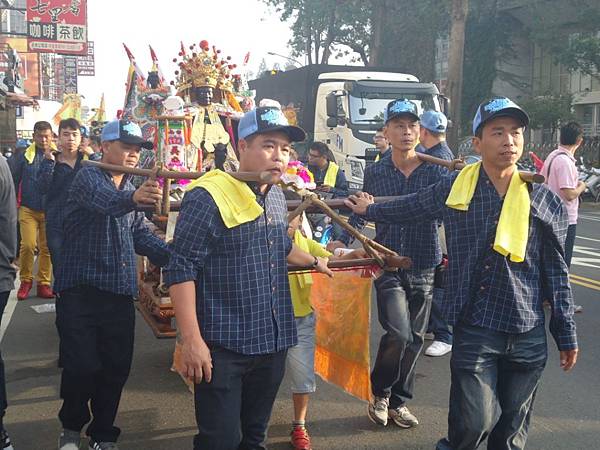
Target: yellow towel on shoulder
(235,200)
(30,152)
(513,226)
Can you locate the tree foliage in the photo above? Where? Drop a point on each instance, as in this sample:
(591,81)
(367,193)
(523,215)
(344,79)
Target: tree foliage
(548,111)
(576,49)
(372,32)
(319,25)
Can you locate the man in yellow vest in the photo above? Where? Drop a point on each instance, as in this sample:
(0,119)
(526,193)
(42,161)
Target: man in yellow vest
(328,176)
(381,144)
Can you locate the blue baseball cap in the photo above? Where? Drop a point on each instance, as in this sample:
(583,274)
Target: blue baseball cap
(22,143)
(125,131)
(397,108)
(498,107)
(434,121)
(265,119)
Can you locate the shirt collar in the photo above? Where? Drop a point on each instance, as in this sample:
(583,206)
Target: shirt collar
(435,147)
(566,151)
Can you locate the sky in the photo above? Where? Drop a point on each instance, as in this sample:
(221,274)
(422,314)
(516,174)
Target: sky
(234,26)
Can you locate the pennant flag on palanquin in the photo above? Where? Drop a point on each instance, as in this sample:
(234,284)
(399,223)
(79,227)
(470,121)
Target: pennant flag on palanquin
(70,109)
(100,112)
(156,66)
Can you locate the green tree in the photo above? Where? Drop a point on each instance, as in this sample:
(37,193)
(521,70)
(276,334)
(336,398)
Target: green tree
(410,33)
(548,112)
(483,55)
(456,51)
(576,49)
(318,25)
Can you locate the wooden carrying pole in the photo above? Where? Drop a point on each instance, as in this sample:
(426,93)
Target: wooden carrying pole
(399,262)
(257,177)
(374,249)
(457,164)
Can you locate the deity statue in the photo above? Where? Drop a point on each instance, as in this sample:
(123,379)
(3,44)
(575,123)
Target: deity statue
(200,75)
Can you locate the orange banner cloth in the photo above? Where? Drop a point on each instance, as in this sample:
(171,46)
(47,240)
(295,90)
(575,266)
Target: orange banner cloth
(343,309)
(342,306)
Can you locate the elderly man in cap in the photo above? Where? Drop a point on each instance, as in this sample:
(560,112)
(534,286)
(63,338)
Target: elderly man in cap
(403,297)
(229,285)
(506,249)
(96,282)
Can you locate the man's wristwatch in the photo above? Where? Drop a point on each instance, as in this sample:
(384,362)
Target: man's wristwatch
(315,262)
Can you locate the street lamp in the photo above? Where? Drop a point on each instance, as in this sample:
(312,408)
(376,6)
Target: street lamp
(295,61)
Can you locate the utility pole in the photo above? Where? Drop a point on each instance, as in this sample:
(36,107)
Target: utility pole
(460,9)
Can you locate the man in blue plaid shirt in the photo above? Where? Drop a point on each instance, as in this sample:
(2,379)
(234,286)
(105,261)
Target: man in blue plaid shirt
(96,282)
(229,286)
(494,300)
(403,297)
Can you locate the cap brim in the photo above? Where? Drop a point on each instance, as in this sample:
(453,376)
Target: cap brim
(404,113)
(515,113)
(137,141)
(296,134)
(434,129)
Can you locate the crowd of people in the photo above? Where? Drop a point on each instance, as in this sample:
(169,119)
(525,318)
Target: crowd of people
(488,251)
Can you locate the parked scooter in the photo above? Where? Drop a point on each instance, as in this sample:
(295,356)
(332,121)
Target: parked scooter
(591,177)
(593,185)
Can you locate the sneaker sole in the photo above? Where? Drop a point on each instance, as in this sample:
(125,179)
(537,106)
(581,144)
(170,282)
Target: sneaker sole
(437,355)
(403,425)
(375,421)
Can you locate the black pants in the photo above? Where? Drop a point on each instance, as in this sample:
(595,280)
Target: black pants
(240,396)
(570,243)
(3,402)
(96,330)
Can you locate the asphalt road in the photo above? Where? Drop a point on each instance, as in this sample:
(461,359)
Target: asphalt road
(157,410)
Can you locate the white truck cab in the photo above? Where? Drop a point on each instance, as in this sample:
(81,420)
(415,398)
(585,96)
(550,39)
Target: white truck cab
(343,106)
(349,110)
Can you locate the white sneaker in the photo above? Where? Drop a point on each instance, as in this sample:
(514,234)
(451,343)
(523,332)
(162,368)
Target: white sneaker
(438,348)
(403,417)
(378,410)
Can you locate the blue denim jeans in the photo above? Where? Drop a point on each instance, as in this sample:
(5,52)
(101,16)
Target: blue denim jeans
(300,362)
(403,305)
(492,370)
(437,324)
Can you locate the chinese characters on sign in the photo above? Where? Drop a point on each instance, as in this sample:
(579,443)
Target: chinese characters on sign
(85,64)
(70,74)
(57,26)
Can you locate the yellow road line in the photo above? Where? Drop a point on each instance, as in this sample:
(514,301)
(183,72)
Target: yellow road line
(591,286)
(584,279)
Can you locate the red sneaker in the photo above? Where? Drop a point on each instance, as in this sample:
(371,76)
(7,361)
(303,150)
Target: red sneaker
(23,291)
(300,439)
(44,291)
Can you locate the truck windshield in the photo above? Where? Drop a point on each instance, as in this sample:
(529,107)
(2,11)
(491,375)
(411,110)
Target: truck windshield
(369,107)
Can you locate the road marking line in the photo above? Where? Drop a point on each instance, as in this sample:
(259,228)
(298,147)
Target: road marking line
(8,312)
(588,239)
(595,219)
(591,286)
(587,280)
